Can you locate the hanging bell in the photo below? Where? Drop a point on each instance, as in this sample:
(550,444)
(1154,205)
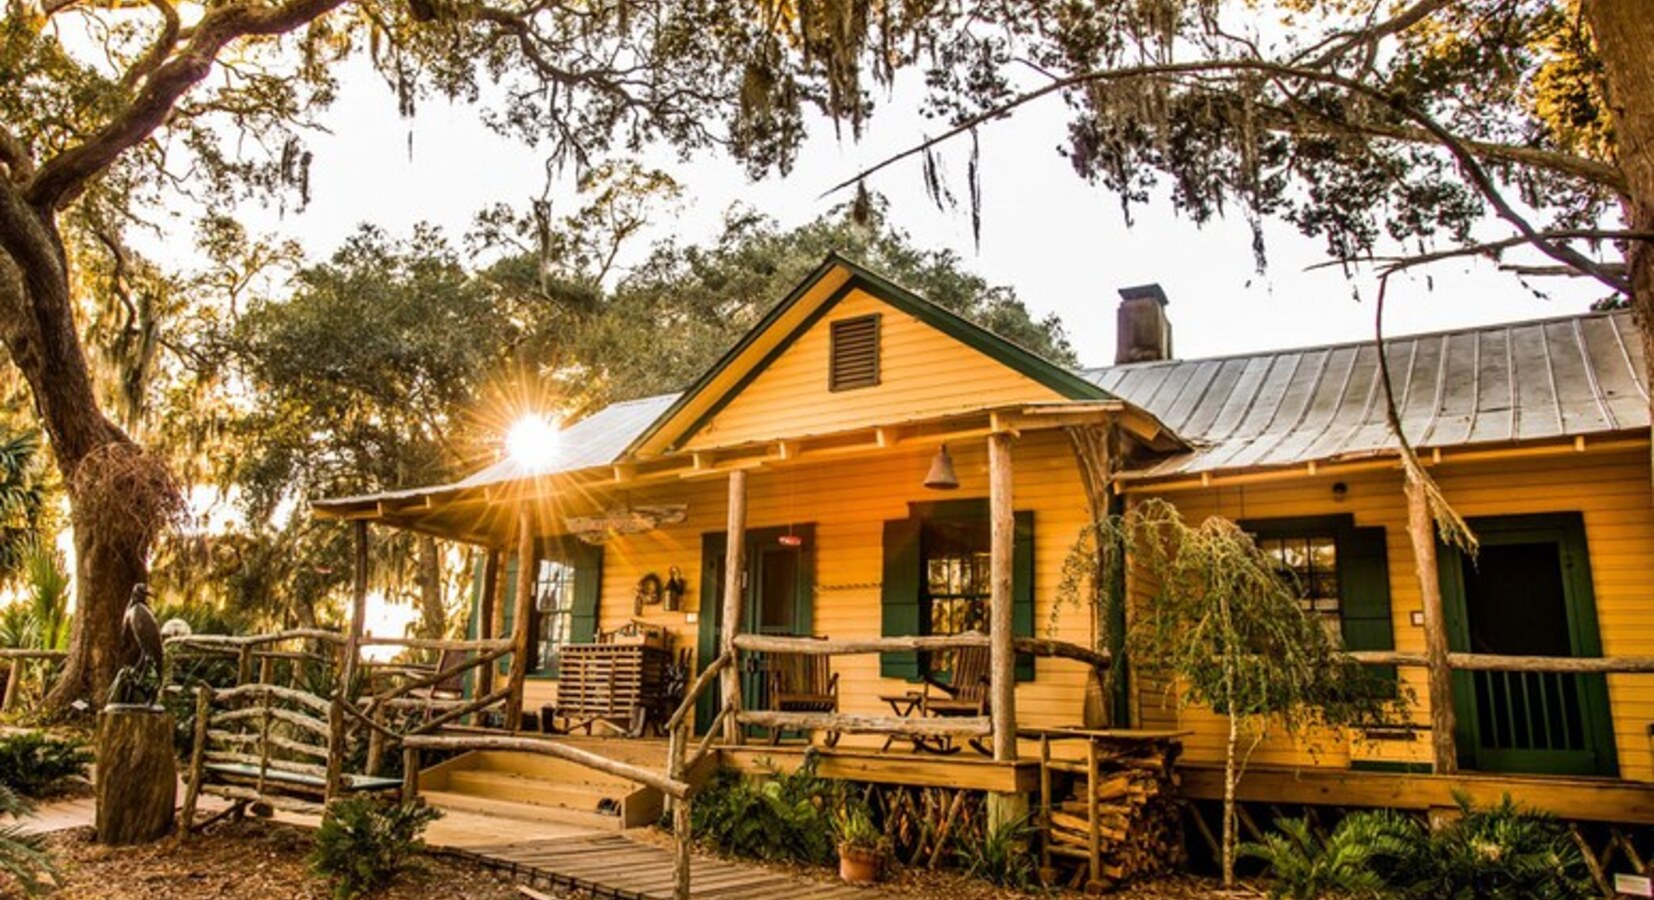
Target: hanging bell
(941,477)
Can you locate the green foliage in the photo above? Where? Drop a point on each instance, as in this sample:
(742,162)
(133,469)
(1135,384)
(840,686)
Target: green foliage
(23,856)
(363,844)
(22,502)
(1000,854)
(787,817)
(1352,861)
(34,763)
(1498,852)
(1503,851)
(853,826)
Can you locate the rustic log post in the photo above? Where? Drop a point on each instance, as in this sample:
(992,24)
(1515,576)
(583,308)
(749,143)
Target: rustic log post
(336,748)
(14,681)
(1002,659)
(523,610)
(735,557)
(681,835)
(244,665)
(358,612)
(1422,532)
(137,776)
(486,607)
(198,760)
(410,774)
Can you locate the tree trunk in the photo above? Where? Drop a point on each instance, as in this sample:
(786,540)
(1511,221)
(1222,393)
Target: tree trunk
(432,611)
(113,528)
(1230,774)
(1624,32)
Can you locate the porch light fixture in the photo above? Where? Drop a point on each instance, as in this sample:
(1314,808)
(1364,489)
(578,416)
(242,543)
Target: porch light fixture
(533,441)
(941,476)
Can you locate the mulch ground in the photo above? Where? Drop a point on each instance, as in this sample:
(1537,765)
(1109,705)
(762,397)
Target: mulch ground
(251,860)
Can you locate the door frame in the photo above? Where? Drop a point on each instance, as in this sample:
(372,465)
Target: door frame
(1567,531)
(709,617)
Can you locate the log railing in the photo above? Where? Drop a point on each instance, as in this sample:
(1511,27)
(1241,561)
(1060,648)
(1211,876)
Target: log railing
(1495,662)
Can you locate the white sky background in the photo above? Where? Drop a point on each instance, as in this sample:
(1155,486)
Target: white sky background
(1063,244)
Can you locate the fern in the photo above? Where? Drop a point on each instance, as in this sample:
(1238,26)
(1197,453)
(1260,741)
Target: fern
(1350,862)
(1503,851)
(1000,855)
(23,856)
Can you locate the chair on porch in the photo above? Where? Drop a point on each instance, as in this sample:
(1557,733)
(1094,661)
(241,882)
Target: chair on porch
(965,693)
(450,688)
(801,682)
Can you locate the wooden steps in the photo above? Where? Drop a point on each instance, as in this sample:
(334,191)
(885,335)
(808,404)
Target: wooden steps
(532,787)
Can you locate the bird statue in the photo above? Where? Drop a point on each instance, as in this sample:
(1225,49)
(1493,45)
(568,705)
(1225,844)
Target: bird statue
(139,682)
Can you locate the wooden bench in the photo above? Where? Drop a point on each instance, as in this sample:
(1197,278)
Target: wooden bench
(271,745)
(801,682)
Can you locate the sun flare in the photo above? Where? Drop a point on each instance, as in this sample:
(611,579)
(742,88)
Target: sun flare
(533,441)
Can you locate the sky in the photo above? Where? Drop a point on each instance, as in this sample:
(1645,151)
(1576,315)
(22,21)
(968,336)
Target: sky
(1062,244)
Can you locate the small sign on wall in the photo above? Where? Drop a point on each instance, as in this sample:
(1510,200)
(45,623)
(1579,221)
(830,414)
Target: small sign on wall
(1633,885)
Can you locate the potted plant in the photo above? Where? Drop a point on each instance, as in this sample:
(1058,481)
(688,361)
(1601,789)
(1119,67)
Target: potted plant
(861,845)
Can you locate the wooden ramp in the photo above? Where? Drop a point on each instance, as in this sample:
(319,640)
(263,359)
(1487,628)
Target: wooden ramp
(610,865)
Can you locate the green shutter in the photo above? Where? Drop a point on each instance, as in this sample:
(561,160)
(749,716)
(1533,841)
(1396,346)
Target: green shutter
(899,614)
(1364,582)
(508,608)
(1022,589)
(710,615)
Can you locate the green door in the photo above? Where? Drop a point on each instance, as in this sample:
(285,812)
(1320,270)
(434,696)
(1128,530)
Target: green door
(776,599)
(1528,593)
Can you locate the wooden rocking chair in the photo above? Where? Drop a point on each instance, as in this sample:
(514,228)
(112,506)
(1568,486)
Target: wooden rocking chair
(965,693)
(802,682)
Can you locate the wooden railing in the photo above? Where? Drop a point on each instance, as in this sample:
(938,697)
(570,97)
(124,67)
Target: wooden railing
(1495,662)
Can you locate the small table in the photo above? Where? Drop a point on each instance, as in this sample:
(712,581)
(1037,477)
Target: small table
(905,705)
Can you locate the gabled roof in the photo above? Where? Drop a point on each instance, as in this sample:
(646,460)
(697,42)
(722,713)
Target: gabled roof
(1548,379)
(829,283)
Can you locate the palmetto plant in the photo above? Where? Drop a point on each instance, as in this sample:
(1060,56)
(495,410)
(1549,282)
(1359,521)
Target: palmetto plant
(22,855)
(1349,862)
(22,499)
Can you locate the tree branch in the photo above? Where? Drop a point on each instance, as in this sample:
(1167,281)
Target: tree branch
(1344,41)
(1468,163)
(66,173)
(16,156)
(157,52)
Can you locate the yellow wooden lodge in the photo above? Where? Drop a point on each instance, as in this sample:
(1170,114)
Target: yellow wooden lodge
(794,503)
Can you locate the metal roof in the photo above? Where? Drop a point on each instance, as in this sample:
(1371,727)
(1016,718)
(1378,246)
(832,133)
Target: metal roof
(1521,381)
(596,440)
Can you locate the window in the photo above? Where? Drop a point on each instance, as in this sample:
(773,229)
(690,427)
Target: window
(854,353)
(957,585)
(553,612)
(1310,562)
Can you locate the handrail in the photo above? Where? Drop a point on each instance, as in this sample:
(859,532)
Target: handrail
(1498,662)
(23,653)
(416,643)
(213,641)
(695,689)
(668,786)
(766,643)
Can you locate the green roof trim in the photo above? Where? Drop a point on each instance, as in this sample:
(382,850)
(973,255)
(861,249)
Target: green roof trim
(972,335)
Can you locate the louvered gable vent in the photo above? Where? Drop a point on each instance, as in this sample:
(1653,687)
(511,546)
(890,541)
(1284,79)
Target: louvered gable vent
(855,353)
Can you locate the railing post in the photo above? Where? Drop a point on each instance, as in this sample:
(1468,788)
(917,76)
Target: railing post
(488,602)
(1421,530)
(522,613)
(358,612)
(1002,659)
(735,555)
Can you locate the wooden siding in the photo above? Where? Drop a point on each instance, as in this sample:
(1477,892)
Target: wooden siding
(1610,488)
(922,372)
(848,500)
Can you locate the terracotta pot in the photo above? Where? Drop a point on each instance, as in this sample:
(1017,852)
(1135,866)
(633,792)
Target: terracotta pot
(858,865)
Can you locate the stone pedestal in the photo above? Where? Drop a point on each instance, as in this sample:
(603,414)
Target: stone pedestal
(137,775)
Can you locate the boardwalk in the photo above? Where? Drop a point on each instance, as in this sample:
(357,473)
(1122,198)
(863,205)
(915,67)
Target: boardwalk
(610,865)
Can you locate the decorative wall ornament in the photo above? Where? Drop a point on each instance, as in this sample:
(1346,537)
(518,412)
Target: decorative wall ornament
(675,588)
(647,593)
(625,520)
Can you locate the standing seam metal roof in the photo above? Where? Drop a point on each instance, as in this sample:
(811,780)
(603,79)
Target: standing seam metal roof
(1521,381)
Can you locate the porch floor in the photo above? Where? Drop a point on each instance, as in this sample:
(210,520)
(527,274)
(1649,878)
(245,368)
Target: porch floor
(1581,799)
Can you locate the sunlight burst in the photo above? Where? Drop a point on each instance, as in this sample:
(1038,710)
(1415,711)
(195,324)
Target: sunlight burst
(533,441)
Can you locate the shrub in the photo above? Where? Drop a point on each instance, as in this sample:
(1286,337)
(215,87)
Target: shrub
(783,818)
(33,763)
(1502,851)
(1000,855)
(363,844)
(1357,860)
(22,856)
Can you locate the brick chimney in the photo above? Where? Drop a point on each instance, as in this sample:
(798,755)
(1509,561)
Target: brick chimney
(1144,332)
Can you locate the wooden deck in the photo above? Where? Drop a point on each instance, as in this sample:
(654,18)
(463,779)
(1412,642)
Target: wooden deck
(613,866)
(1582,799)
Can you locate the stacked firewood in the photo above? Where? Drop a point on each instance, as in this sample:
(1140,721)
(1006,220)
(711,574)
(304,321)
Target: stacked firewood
(1138,818)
